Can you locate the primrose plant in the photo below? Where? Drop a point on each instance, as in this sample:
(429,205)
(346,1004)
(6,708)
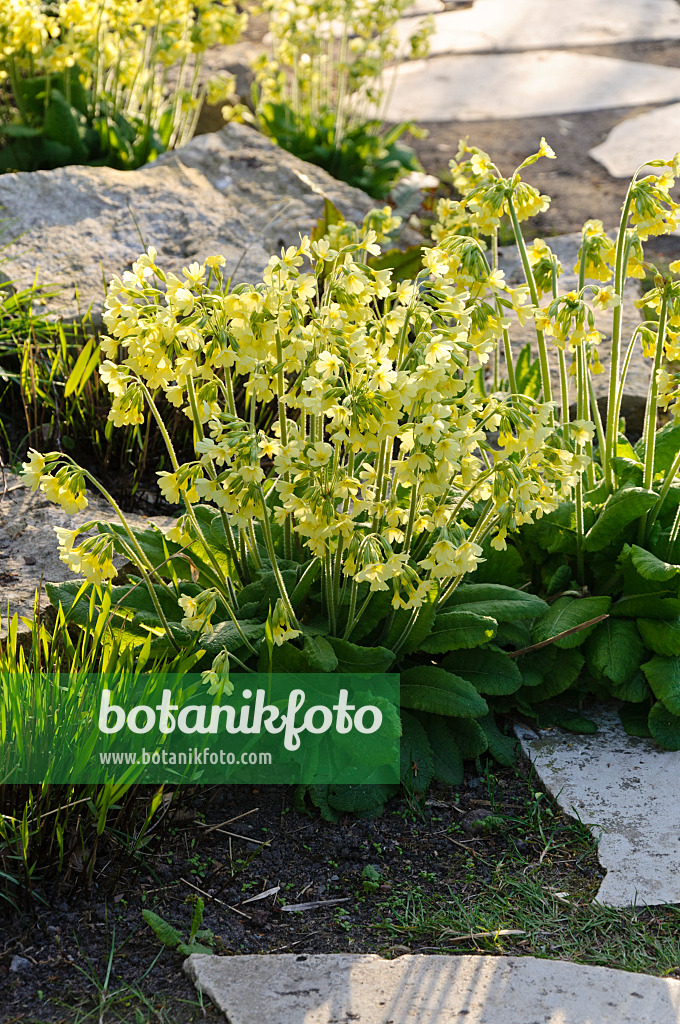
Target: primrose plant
(348,472)
(613,552)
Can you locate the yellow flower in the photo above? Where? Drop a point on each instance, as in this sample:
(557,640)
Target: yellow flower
(33,470)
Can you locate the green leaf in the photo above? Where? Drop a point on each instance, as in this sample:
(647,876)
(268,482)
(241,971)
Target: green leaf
(168,935)
(621,508)
(469,736)
(284,658)
(634,719)
(458,629)
(650,567)
(433,689)
(558,670)
(446,756)
(566,613)
(614,649)
(417,760)
(662,637)
(505,604)
(634,690)
(363,801)
(502,748)
(319,654)
(664,727)
(61,125)
(574,722)
(490,672)
(188,948)
(352,658)
(226,636)
(650,606)
(528,373)
(663,675)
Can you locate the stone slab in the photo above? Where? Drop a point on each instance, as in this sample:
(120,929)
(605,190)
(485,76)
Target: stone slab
(232,192)
(417,989)
(654,135)
(502,86)
(626,790)
(566,249)
(501,25)
(28,544)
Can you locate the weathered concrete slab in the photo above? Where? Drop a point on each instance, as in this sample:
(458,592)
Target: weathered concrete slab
(651,136)
(29,554)
(339,989)
(626,790)
(232,192)
(510,85)
(499,25)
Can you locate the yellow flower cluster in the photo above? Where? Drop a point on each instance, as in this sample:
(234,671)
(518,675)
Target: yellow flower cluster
(122,49)
(377,459)
(325,50)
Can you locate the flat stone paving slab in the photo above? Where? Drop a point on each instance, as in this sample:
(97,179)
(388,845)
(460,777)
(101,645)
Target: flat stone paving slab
(503,25)
(500,86)
(626,790)
(353,989)
(651,136)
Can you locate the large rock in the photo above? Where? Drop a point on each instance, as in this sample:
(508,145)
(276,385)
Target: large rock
(232,192)
(344,988)
(29,554)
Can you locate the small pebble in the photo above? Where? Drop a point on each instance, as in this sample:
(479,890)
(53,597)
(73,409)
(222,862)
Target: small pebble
(29,559)
(20,963)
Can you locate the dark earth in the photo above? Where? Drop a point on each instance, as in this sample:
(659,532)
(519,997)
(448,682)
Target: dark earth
(455,844)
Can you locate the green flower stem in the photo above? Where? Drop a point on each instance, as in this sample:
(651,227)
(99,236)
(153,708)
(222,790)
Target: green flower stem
(673,534)
(509,364)
(283,423)
(142,560)
(597,419)
(652,397)
(531,281)
(622,250)
(649,430)
(271,551)
(670,477)
(564,385)
(175,465)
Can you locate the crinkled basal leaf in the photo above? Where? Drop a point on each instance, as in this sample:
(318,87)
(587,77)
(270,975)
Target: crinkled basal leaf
(614,650)
(503,748)
(469,736)
(662,637)
(457,629)
(447,759)
(491,672)
(505,604)
(634,719)
(635,690)
(566,613)
(651,606)
(319,654)
(650,567)
(433,689)
(227,637)
(364,801)
(666,446)
(663,675)
(352,658)
(620,509)
(664,727)
(558,670)
(417,760)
